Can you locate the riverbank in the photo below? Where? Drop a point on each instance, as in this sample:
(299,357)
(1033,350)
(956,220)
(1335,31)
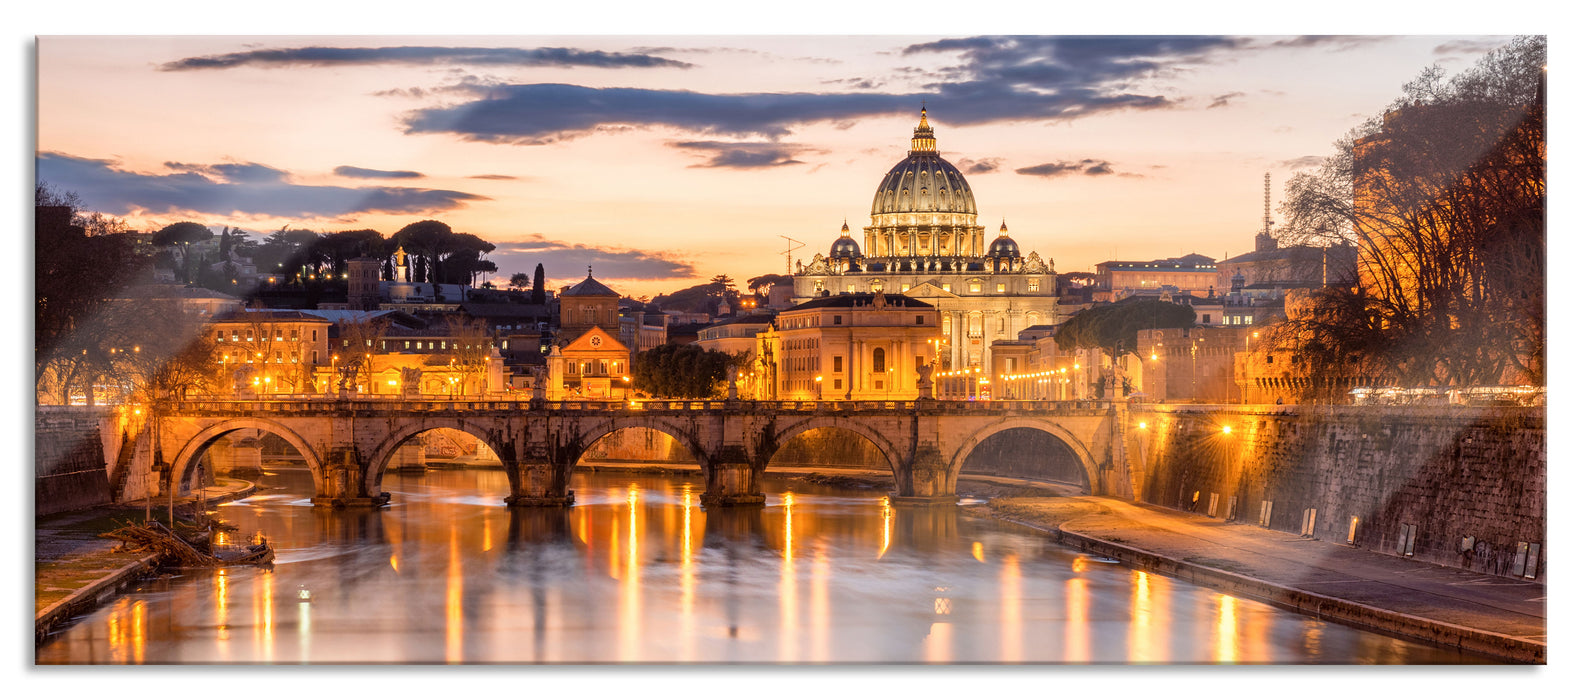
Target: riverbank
(74,569)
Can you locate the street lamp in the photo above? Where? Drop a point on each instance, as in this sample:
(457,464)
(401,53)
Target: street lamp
(818,388)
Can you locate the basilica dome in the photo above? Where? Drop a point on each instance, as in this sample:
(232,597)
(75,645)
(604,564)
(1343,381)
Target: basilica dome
(923,182)
(1004,246)
(845,246)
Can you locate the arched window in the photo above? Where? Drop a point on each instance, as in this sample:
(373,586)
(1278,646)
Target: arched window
(878,359)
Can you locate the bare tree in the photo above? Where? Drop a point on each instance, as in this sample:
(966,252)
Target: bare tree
(1443,196)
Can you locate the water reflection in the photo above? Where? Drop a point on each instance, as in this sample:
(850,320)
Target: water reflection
(637,571)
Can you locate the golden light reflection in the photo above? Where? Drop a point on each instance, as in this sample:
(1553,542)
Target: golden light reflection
(264,615)
(116,632)
(1077,643)
(818,605)
(1140,642)
(788,592)
(453,593)
(139,630)
(488,531)
(395,564)
(222,614)
(1079,565)
(1011,609)
(631,582)
(977,551)
(1225,631)
(889,519)
(688,580)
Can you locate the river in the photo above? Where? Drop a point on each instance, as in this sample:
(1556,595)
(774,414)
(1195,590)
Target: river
(637,572)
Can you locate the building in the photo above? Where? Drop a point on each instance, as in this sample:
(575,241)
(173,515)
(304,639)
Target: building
(924,241)
(736,335)
(853,347)
(270,351)
(594,366)
(1191,364)
(1192,274)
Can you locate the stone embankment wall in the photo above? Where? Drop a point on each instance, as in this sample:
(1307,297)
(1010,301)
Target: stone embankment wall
(70,468)
(1457,486)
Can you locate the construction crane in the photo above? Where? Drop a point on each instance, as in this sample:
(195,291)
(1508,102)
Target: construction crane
(789,248)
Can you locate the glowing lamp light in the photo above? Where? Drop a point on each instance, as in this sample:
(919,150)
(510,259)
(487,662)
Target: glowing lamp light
(392,382)
(1225,429)
(1153,357)
(1142,425)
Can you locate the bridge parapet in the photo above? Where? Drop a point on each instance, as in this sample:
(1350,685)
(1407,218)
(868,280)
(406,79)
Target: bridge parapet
(405,406)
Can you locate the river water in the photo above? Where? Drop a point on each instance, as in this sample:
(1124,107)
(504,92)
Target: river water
(637,572)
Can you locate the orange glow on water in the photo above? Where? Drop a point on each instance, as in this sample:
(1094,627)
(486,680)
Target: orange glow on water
(789,633)
(454,581)
(1225,631)
(1140,642)
(1077,643)
(1011,609)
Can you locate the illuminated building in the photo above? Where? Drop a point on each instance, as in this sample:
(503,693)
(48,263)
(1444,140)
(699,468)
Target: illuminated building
(859,347)
(924,242)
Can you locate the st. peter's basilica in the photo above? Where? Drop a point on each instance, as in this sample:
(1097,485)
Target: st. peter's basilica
(924,241)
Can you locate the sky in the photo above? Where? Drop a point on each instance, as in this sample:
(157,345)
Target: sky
(663,160)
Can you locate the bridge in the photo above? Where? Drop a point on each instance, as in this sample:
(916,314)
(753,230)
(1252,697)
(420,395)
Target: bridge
(349,443)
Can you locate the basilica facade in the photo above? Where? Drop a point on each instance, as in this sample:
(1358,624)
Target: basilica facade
(924,241)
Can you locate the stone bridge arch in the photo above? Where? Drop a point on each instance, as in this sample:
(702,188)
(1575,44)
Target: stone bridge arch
(683,430)
(494,436)
(194,446)
(893,454)
(1078,447)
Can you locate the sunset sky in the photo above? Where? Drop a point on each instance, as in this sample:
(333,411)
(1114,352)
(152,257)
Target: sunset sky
(663,160)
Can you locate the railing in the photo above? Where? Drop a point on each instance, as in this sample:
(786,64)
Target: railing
(319,404)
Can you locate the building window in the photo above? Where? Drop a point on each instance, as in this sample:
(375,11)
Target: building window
(249,335)
(1000,288)
(975,287)
(919,319)
(315,335)
(838,360)
(315,357)
(837,319)
(1032,285)
(878,383)
(917,362)
(878,286)
(947,286)
(851,288)
(837,383)
(278,335)
(878,359)
(905,287)
(1205,318)
(1002,324)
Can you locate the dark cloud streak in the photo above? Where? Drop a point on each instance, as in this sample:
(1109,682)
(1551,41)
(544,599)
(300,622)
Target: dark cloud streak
(368,173)
(325,56)
(561,259)
(230,189)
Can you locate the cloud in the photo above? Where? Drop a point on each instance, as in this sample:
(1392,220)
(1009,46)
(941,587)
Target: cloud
(1224,100)
(230,189)
(1336,42)
(493,177)
(326,56)
(1086,166)
(745,156)
(1471,46)
(996,79)
(563,260)
(353,171)
(1301,163)
(979,166)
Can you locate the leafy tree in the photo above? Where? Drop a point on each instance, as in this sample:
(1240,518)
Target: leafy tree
(538,285)
(681,371)
(520,280)
(1113,327)
(762,284)
(182,232)
(1443,196)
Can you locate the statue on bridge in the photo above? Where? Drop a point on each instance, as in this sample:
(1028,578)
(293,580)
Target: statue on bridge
(925,381)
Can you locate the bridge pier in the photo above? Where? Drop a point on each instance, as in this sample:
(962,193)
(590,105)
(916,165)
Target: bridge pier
(732,484)
(538,484)
(344,482)
(925,479)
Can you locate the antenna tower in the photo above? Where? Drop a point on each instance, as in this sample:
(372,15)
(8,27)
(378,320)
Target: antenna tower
(789,248)
(1266,220)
